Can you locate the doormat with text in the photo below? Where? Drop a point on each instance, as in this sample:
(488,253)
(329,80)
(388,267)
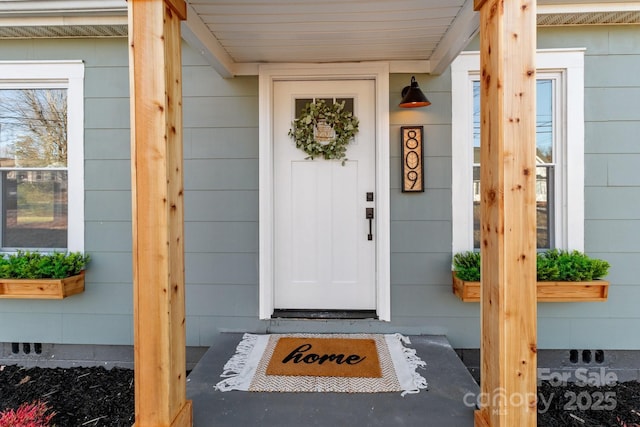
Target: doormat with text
(325,357)
(348,363)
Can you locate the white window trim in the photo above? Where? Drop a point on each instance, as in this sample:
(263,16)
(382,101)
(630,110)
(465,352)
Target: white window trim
(569,64)
(68,74)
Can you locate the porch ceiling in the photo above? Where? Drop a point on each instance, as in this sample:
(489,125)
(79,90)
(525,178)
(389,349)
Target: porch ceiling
(415,34)
(237,35)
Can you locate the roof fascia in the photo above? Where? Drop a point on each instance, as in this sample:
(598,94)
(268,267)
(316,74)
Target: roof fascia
(196,33)
(463,29)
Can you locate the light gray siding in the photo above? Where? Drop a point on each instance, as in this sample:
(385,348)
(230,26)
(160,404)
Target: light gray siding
(612,187)
(221,206)
(421,222)
(221,201)
(103,313)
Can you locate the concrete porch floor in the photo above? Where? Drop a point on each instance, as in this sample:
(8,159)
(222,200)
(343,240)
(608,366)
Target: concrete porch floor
(443,404)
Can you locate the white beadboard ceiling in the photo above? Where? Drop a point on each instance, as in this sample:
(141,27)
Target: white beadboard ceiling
(414,35)
(328,31)
(237,35)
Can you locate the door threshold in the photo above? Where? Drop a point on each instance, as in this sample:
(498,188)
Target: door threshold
(324,314)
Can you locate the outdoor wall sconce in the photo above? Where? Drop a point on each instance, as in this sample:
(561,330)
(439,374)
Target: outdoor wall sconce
(412,96)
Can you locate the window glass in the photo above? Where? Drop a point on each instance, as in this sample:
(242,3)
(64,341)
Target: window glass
(348,103)
(33,166)
(34,209)
(545,142)
(559,150)
(301,103)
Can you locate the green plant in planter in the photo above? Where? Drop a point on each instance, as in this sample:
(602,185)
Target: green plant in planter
(552,266)
(467,266)
(34,265)
(564,266)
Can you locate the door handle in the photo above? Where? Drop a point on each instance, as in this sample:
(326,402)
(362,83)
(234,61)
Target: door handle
(369,216)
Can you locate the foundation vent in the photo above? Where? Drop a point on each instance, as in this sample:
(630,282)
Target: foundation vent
(26,348)
(587,357)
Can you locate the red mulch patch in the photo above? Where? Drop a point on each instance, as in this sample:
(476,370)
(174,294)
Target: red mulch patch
(79,396)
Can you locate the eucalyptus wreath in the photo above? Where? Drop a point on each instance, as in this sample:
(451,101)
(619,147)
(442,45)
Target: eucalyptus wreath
(343,123)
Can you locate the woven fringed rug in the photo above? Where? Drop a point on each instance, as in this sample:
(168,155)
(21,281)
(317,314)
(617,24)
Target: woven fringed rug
(342,363)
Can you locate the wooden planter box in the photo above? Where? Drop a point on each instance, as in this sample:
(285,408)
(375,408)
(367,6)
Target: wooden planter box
(42,288)
(595,291)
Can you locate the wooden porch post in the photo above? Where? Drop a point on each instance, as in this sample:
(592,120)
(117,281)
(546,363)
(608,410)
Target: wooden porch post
(158,214)
(508,215)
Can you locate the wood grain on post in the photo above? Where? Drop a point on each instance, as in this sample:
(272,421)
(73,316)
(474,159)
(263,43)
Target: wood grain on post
(158,213)
(508,227)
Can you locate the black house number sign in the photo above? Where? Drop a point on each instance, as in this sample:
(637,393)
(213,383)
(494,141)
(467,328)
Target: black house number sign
(412,155)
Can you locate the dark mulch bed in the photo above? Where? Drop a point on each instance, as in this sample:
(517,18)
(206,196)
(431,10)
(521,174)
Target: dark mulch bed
(99,397)
(79,396)
(576,404)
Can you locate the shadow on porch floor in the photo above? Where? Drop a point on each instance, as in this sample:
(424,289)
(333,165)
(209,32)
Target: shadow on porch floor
(443,404)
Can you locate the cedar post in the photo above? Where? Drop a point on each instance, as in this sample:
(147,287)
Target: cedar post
(508,215)
(158,214)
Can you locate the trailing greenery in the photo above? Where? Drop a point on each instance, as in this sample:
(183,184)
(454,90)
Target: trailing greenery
(552,266)
(34,265)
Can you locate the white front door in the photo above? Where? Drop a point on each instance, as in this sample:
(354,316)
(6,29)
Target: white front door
(323,257)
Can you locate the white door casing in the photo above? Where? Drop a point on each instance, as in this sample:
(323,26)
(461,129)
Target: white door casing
(323,258)
(342,75)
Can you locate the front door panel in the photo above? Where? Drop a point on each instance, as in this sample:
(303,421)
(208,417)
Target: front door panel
(323,256)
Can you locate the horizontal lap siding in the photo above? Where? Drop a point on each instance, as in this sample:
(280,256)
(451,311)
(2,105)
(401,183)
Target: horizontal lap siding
(421,296)
(612,188)
(221,205)
(221,201)
(103,313)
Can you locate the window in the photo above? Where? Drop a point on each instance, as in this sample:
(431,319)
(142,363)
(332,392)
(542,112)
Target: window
(41,156)
(301,103)
(559,150)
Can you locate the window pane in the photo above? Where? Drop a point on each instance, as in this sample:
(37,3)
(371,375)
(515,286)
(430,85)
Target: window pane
(544,206)
(328,101)
(348,104)
(301,103)
(476,122)
(34,209)
(544,121)
(33,128)
(476,207)
(544,154)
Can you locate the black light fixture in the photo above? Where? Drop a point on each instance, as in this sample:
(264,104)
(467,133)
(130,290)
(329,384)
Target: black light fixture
(412,96)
